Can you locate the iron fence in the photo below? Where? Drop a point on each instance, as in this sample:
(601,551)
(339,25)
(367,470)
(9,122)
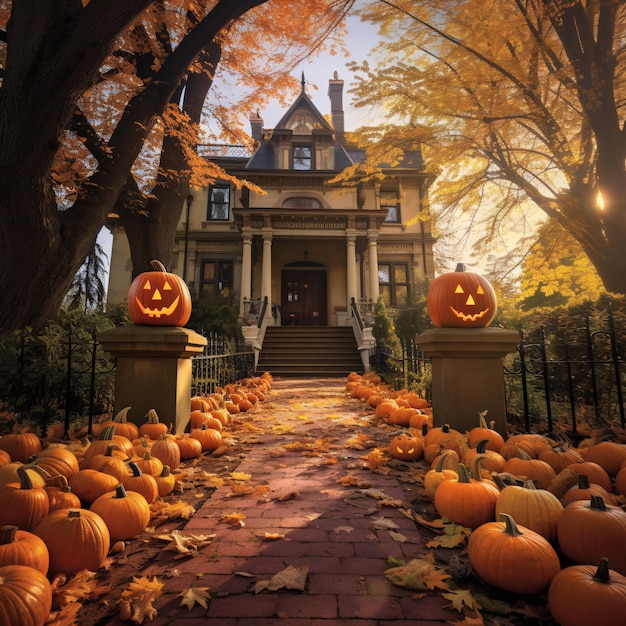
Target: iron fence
(553,378)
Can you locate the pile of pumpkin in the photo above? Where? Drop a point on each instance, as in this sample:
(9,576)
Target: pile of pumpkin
(526,500)
(66,507)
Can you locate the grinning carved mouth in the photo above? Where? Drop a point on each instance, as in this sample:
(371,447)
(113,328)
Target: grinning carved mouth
(165,311)
(469,317)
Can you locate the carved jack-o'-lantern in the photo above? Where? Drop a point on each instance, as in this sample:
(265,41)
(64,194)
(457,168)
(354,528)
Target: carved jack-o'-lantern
(159,298)
(406,448)
(461,299)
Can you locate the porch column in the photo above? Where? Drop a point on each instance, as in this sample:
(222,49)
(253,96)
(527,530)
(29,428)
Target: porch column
(246,269)
(372,250)
(266,274)
(351,265)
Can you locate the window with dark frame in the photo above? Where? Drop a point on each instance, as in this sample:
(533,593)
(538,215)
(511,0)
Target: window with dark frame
(217,277)
(393,282)
(302,158)
(219,203)
(390,201)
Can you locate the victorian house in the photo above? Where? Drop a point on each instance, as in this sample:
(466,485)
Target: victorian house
(307,254)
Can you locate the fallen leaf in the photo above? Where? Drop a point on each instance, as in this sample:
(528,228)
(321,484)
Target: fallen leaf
(289,495)
(185,545)
(460,598)
(66,616)
(162,512)
(240,476)
(81,586)
(471,621)
(137,599)
(399,537)
(343,529)
(195,595)
(383,522)
(272,536)
(289,578)
(417,574)
(236,519)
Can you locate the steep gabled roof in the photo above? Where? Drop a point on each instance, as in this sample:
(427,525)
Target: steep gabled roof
(303,102)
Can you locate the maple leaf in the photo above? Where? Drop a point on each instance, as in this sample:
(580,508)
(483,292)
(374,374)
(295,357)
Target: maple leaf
(137,598)
(446,541)
(185,545)
(235,519)
(417,574)
(375,458)
(471,621)
(66,616)
(81,586)
(162,512)
(460,598)
(195,594)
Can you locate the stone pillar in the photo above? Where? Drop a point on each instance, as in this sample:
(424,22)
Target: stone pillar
(468,375)
(372,250)
(153,371)
(266,272)
(246,269)
(351,266)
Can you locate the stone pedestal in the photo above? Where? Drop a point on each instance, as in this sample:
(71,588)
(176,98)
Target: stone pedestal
(153,371)
(468,375)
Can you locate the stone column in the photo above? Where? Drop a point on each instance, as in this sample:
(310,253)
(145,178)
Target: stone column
(372,250)
(351,265)
(153,370)
(246,269)
(266,272)
(468,374)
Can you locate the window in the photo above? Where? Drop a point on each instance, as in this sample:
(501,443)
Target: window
(217,278)
(302,157)
(219,203)
(393,280)
(390,201)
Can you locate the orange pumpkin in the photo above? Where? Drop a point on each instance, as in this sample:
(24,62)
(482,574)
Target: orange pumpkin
(126,513)
(167,451)
(166,482)
(153,428)
(122,426)
(158,298)
(57,460)
(25,596)
(461,299)
(406,448)
(21,446)
(20,547)
(21,503)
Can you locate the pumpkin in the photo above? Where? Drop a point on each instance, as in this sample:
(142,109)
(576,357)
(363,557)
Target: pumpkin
(530,468)
(406,448)
(533,508)
(197,418)
(150,464)
(113,462)
(466,501)
(584,490)
(209,438)
(530,443)
(588,530)
(484,432)
(434,477)
(580,595)
(608,454)
(21,446)
(5,457)
(165,481)
(121,425)
(21,503)
(461,299)
(492,461)
(512,558)
(190,447)
(620,482)
(167,451)
(77,539)
(126,513)
(89,484)
(158,298)
(101,445)
(153,428)
(560,457)
(384,409)
(57,460)
(25,596)
(438,433)
(20,547)
(594,472)
(200,404)
(60,495)
(141,483)
(9,474)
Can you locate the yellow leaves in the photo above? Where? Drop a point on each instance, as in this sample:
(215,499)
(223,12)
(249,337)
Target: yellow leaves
(195,595)
(460,598)
(234,519)
(453,536)
(161,511)
(374,459)
(360,441)
(185,545)
(137,598)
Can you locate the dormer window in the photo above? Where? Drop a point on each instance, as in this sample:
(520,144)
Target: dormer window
(302,158)
(390,202)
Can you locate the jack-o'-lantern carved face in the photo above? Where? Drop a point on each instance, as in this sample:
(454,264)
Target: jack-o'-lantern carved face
(461,299)
(406,448)
(159,298)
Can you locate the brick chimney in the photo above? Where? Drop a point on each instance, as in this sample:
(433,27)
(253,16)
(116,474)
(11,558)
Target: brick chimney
(335,93)
(256,127)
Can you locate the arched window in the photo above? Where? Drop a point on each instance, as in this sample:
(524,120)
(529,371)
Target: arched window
(302,203)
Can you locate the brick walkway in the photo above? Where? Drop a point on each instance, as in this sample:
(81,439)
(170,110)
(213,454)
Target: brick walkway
(338,532)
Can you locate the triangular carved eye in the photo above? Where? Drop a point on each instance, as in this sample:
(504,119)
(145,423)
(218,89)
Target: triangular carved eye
(480,291)
(459,289)
(147,285)
(167,286)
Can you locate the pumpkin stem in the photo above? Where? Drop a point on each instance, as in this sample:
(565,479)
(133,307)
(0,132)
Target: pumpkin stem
(464,476)
(530,484)
(482,422)
(152,417)
(511,527)
(24,476)
(424,429)
(107,433)
(500,484)
(476,467)
(7,534)
(597,502)
(165,471)
(135,468)
(122,415)
(583,481)
(602,573)
(460,267)
(481,447)
(157,266)
(120,492)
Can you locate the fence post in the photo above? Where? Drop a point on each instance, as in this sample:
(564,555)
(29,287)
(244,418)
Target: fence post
(68,382)
(523,371)
(546,376)
(618,375)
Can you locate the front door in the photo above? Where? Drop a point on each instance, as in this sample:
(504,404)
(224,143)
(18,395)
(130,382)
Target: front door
(303,299)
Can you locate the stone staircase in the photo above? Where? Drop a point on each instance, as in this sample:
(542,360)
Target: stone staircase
(319,351)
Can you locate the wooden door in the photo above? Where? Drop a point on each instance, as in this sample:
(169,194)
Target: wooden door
(303,298)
